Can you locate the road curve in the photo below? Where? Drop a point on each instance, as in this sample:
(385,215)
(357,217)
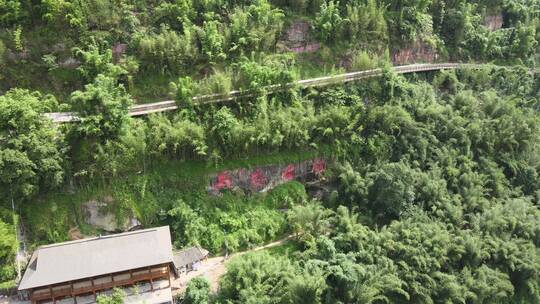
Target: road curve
(169,105)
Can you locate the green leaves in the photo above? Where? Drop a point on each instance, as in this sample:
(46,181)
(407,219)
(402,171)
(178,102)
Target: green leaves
(239,223)
(257,278)
(8,250)
(102,107)
(184,91)
(179,138)
(392,189)
(197,291)
(117,297)
(31,149)
(309,221)
(274,70)
(168,51)
(10,12)
(255,28)
(487,285)
(329,23)
(96,62)
(365,24)
(212,42)
(439,197)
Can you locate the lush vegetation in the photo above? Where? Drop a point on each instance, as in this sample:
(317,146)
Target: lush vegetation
(216,42)
(436,202)
(433,195)
(8,247)
(197,291)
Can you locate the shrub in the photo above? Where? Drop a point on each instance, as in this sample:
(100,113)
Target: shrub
(197,291)
(183,91)
(216,83)
(272,70)
(329,24)
(10,12)
(255,28)
(8,249)
(212,42)
(167,51)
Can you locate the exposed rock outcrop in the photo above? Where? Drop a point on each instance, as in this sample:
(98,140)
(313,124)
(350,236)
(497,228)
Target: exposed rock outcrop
(417,52)
(97,215)
(296,38)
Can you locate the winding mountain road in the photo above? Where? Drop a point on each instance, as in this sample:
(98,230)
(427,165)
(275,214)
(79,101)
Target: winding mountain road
(169,105)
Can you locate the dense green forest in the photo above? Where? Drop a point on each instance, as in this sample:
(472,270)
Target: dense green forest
(58,46)
(436,201)
(432,193)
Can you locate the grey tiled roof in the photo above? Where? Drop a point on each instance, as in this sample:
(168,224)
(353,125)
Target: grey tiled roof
(189,255)
(64,262)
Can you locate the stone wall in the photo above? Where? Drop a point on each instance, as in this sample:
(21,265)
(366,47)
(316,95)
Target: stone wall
(264,178)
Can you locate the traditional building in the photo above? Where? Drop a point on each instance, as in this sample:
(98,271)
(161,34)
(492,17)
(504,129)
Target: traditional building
(78,271)
(188,258)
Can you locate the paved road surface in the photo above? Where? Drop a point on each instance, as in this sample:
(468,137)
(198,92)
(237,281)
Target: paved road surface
(169,105)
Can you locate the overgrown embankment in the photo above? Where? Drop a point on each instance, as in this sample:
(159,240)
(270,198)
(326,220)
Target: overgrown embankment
(176,194)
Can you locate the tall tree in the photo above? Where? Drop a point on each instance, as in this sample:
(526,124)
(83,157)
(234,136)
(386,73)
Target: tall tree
(8,249)
(103,109)
(31,150)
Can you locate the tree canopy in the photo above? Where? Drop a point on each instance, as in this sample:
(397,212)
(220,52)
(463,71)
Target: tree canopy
(30,146)
(430,189)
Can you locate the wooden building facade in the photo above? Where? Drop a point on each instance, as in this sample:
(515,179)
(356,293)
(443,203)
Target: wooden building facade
(187,258)
(93,266)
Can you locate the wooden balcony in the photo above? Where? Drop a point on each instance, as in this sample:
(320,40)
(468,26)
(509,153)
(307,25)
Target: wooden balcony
(53,293)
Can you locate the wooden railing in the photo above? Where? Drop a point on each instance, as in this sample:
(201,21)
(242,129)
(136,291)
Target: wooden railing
(73,292)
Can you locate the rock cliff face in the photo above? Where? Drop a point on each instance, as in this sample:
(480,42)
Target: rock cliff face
(296,38)
(97,215)
(415,53)
(264,178)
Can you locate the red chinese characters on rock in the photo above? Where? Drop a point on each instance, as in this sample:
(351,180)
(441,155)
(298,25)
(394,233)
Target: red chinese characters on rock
(318,167)
(266,177)
(223,181)
(257,179)
(288,173)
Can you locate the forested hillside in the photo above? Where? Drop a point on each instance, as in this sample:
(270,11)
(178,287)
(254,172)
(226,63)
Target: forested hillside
(432,189)
(59,46)
(436,202)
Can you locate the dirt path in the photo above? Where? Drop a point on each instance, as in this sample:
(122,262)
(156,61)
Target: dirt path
(213,268)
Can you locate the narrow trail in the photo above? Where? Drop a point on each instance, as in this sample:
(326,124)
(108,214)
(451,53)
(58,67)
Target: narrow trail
(213,268)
